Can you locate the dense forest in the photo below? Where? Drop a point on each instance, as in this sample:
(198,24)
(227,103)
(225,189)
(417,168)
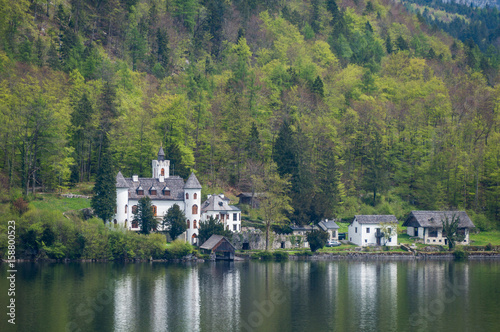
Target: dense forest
(362,105)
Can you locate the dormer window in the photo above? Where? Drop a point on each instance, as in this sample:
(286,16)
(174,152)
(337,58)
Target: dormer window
(166,191)
(152,191)
(140,190)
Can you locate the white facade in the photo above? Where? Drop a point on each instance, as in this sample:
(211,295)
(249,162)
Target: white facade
(364,233)
(165,191)
(217,207)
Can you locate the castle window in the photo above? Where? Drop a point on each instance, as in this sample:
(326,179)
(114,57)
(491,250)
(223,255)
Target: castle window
(162,172)
(154,209)
(126,208)
(134,224)
(195,209)
(187,196)
(114,221)
(166,191)
(152,191)
(235,217)
(140,191)
(195,196)
(134,209)
(188,223)
(194,224)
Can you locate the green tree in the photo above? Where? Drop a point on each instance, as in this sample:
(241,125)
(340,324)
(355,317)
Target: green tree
(451,231)
(209,228)
(275,202)
(317,239)
(175,221)
(144,216)
(104,199)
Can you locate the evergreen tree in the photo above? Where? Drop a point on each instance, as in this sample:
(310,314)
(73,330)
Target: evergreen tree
(317,239)
(39,58)
(162,51)
(175,221)
(253,145)
(317,87)
(104,199)
(53,57)
(402,44)
(209,228)
(144,216)
(388,44)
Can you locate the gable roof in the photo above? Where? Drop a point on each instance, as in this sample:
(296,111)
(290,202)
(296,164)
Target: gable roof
(217,203)
(192,182)
(214,241)
(120,181)
(435,218)
(375,219)
(174,183)
(328,224)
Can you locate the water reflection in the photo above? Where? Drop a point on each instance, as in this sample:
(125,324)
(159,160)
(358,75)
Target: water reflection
(258,296)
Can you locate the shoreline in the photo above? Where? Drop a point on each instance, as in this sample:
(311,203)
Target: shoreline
(367,256)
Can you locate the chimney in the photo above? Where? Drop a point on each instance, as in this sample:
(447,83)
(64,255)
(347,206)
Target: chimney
(162,178)
(135,178)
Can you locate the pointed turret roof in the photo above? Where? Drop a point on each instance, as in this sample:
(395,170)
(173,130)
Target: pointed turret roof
(161,154)
(120,181)
(192,182)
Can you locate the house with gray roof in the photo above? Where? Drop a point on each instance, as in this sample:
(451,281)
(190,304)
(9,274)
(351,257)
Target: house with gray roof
(367,230)
(217,206)
(331,228)
(428,225)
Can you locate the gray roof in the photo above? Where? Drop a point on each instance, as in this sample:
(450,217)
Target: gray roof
(328,224)
(192,182)
(120,181)
(375,219)
(160,152)
(213,241)
(217,203)
(174,183)
(304,228)
(435,218)
(249,195)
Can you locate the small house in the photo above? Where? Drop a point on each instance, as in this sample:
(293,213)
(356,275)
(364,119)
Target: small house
(217,206)
(331,228)
(249,198)
(373,230)
(220,246)
(428,225)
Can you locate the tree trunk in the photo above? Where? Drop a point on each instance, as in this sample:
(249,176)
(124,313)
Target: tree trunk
(267,236)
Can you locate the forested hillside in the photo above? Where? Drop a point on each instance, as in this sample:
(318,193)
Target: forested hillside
(362,104)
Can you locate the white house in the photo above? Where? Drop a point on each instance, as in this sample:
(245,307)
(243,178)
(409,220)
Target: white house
(164,191)
(371,230)
(428,225)
(331,228)
(217,206)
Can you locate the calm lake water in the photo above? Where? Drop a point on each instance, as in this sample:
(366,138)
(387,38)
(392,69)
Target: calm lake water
(256,296)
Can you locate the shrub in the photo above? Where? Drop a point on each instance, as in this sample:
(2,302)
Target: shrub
(317,239)
(266,255)
(488,247)
(280,255)
(459,254)
(255,255)
(179,249)
(305,253)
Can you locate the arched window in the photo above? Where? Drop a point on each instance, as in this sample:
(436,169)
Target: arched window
(134,224)
(126,208)
(162,172)
(155,210)
(194,224)
(187,196)
(134,209)
(195,196)
(125,225)
(188,223)
(195,209)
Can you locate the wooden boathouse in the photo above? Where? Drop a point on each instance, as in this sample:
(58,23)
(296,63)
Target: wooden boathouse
(220,246)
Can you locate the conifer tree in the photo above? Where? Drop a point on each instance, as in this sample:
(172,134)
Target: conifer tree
(104,199)
(144,216)
(175,221)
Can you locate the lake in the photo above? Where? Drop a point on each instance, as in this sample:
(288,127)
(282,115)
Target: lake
(255,296)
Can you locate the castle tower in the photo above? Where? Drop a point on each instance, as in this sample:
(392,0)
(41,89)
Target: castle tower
(161,167)
(192,202)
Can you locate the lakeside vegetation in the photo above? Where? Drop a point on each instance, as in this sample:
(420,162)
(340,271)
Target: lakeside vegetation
(363,106)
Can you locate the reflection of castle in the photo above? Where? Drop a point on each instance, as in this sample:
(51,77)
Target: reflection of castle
(164,191)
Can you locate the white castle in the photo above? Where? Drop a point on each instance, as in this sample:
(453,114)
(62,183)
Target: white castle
(165,191)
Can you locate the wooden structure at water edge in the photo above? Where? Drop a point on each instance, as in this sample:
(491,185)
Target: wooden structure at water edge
(220,246)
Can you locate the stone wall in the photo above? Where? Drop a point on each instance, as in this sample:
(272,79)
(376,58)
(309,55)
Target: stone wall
(256,239)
